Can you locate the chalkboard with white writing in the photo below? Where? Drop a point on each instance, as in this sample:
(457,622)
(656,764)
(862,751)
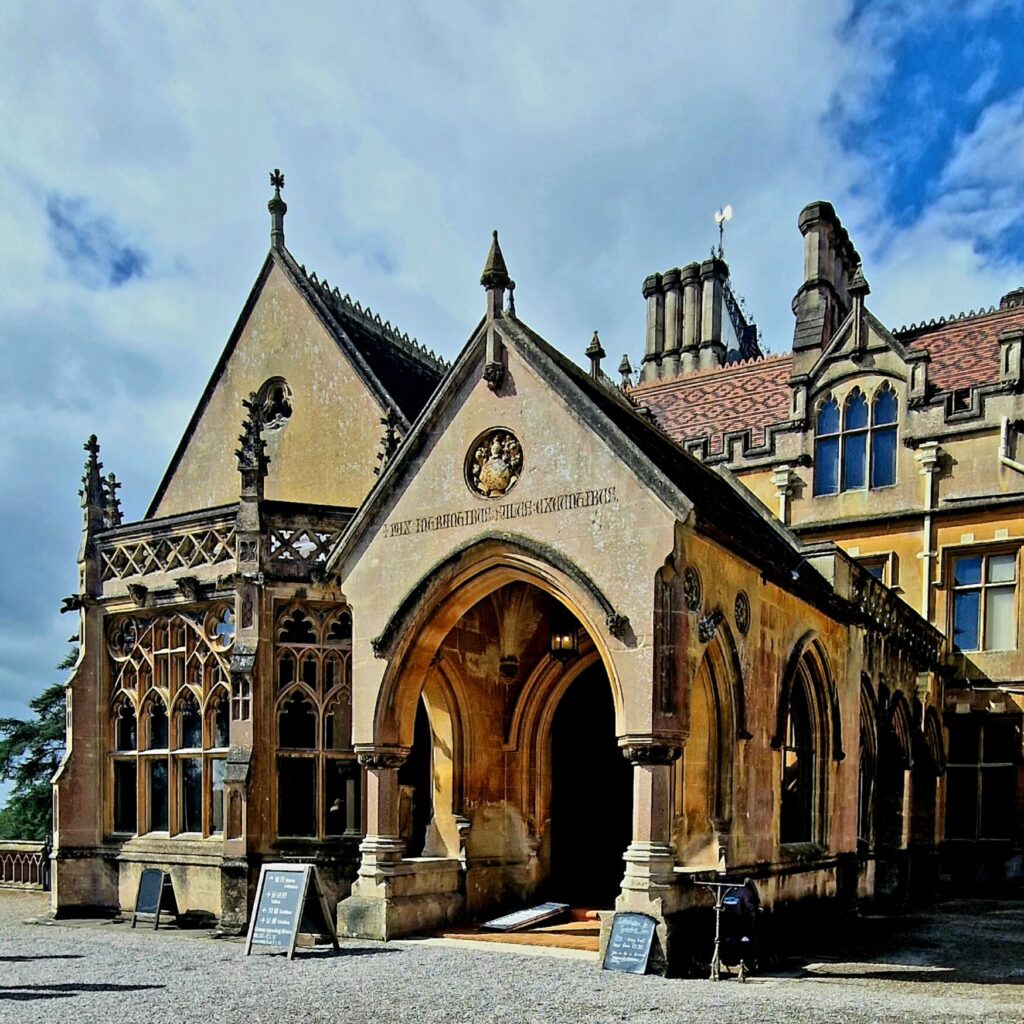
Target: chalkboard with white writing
(289,899)
(629,946)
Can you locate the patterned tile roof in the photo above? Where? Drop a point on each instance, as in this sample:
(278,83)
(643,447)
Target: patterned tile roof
(964,348)
(710,403)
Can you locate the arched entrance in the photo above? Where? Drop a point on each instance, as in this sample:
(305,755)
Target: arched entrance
(591,796)
(495,728)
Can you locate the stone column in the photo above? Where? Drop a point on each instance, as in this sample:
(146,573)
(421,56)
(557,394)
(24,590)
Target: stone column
(649,884)
(655,327)
(382,847)
(673,323)
(650,859)
(689,280)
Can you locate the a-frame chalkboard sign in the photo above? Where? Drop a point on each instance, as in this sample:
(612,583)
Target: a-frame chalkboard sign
(289,899)
(155,896)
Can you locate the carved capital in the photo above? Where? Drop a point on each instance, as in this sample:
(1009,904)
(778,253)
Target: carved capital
(618,625)
(375,760)
(651,753)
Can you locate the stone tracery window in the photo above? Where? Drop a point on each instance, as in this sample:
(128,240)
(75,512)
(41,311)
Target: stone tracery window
(274,402)
(855,447)
(802,737)
(168,757)
(317,775)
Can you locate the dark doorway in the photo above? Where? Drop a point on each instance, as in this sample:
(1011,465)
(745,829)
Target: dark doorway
(591,796)
(416,782)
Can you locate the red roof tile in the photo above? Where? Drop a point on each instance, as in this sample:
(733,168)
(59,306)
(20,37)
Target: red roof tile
(741,396)
(964,353)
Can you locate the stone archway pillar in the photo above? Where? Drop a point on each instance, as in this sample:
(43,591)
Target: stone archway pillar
(392,896)
(382,848)
(650,858)
(649,883)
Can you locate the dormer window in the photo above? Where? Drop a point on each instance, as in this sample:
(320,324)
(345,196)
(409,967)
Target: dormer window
(855,448)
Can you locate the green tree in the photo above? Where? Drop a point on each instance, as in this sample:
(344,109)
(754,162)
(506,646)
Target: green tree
(30,751)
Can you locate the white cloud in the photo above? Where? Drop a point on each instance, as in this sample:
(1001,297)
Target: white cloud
(598,139)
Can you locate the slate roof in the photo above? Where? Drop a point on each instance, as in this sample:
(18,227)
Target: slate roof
(408,371)
(724,509)
(709,403)
(964,349)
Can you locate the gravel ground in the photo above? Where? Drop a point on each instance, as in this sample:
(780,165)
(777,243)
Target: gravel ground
(964,961)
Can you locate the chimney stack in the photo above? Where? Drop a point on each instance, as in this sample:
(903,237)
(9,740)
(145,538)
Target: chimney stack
(713,275)
(655,328)
(670,282)
(690,282)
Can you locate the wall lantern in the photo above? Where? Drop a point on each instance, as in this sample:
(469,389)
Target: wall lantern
(565,633)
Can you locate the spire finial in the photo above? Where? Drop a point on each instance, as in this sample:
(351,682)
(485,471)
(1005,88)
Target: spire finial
(278,208)
(495,279)
(495,273)
(626,369)
(595,353)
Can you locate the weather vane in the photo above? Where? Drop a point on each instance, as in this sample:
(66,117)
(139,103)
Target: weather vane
(721,216)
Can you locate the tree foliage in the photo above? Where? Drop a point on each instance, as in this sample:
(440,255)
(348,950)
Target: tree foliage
(30,752)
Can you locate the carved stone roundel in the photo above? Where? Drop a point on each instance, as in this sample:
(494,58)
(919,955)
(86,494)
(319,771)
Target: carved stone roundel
(742,612)
(693,592)
(494,463)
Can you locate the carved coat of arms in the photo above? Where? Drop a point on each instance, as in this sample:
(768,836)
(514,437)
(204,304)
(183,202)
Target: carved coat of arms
(494,463)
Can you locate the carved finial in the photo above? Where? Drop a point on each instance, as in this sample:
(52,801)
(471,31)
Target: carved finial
(278,208)
(495,279)
(389,442)
(111,503)
(92,482)
(627,373)
(252,456)
(511,298)
(595,353)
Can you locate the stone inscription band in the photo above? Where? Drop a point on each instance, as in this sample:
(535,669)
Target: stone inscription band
(497,513)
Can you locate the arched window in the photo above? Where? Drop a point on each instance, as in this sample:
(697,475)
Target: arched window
(318,779)
(220,728)
(855,440)
(826,448)
(856,449)
(190,723)
(168,762)
(297,724)
(125,731)
(156,738)
(884,412)
(799,766)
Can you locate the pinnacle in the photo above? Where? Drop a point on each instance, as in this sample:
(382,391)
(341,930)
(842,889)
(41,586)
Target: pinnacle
(495,273)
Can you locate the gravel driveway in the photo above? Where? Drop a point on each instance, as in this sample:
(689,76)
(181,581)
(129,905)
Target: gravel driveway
(962,961)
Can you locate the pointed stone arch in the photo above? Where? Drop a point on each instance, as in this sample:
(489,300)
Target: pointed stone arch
(426,615)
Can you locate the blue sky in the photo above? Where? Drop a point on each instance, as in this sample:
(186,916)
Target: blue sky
(599,140)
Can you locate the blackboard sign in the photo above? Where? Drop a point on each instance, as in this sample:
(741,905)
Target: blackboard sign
(629,946)
(526,918)
(289,899)
(155,895)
